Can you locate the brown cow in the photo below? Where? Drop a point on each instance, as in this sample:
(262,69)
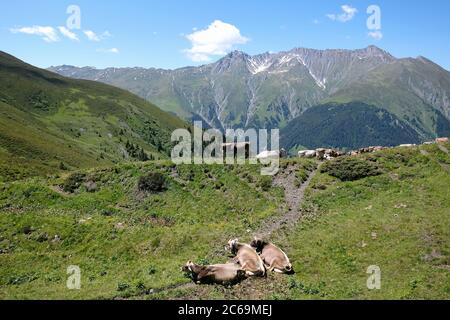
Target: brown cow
(274,258)
(247,257)
(442,140)
(226,274)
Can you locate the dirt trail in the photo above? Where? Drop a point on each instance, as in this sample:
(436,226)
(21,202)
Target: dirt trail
(293,196)
(443,149)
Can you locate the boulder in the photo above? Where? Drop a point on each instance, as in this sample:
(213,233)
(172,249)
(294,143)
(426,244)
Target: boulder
(119,226)
(90,186)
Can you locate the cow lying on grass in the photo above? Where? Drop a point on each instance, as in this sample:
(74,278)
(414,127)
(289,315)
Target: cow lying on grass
(247,257)
(273,257)
(225,274)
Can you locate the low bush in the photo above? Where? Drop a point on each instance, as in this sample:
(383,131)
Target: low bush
(153,182)
(265,183)
(302,175)
(350,168)
(123,286)
(73,182)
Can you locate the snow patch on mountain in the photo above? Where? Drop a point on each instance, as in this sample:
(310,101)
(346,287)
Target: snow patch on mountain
(256,65)
(276,64)
(320,82)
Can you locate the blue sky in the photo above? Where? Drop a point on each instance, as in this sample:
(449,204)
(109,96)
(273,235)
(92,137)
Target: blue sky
(171,34)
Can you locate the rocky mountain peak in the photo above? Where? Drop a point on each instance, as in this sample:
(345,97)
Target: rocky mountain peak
(236,54)
(235,59)
(375,52)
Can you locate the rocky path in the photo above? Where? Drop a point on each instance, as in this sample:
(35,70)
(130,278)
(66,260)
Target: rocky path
(294,196)
(443,149)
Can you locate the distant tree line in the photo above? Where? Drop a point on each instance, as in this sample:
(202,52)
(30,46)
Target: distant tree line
(137,152)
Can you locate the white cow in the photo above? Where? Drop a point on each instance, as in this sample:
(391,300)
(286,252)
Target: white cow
(307,154)
(268,154)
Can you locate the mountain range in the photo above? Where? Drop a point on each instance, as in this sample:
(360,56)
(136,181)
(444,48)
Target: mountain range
(272,89)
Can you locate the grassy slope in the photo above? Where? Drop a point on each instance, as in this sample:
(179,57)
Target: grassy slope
(200,211)
(398,221)
(47,119)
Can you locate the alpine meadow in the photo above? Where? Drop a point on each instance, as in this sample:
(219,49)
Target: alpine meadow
(102,198)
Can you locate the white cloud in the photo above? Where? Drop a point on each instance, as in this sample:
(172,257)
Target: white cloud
(316,21)
(48,34)
(91,35)
(216,40)
(377,35)
(105,35)
(69,34)
(348,12)
(112,50)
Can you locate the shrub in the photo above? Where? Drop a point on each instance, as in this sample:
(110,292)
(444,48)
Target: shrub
(218,185)
(140,286)
(204,261)
(108,212)
(27,230)
(73,182)
(153,182)
(122,286)
(151,270)
(265,183)
(350,168)
(62,166)
(302,175)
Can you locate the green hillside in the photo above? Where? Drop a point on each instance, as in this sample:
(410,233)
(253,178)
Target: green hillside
(131,244)
(351,126)
(414,90)
(48,123)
